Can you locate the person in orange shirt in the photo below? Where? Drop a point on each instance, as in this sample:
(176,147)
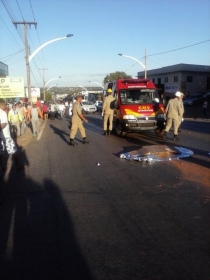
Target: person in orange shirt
(28,112)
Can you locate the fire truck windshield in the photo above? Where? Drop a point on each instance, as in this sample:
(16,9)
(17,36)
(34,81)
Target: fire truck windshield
(138,96)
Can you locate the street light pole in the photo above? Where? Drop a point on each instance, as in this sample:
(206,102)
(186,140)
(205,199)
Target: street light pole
(97,84)
(47,43)
(133,58)
(49,82)
(52,86)
(43,69)
(81,87)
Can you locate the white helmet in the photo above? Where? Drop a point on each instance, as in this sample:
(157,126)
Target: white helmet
(178,94)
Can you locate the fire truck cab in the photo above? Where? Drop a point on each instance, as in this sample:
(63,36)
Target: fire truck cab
(137,106)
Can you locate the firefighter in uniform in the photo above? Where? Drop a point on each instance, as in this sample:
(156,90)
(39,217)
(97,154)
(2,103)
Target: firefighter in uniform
(77,119)
(173,113)
(107,112)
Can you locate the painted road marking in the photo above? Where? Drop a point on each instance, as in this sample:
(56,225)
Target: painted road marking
(41,131)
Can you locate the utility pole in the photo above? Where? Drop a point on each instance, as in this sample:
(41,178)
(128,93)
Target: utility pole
(26,24)
(43,69)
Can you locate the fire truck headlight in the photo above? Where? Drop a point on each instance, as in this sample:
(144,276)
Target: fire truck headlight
(129,117)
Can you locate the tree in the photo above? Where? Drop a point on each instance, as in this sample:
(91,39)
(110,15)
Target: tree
(48,95)
(116,75)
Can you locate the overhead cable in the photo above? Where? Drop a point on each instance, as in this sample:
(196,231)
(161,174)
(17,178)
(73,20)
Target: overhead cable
(180,48)
(12,54)
(32,10)
(20,10)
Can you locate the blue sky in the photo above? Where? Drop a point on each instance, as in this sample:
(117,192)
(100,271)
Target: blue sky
(102,29)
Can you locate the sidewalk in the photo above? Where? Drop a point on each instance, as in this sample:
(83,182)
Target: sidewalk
(26,138)
(197,120)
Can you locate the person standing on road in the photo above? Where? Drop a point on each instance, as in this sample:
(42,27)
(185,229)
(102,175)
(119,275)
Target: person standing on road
(15,119)
(70,114)
(6,142)
(22,112)
(52,111)
(45,110)
(35,113)
(107,112)
(181,111)
(70,108)
(61,109)
(173,113)
(77,119)
(67,108)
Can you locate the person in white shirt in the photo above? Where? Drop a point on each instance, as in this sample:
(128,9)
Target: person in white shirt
(61,109)
(67,107)
(6,142)
(52,111)
(70,109)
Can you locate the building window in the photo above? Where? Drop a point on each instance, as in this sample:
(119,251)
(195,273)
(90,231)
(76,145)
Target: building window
(175,79)
(153,80)
(189,79)
(159,81)
(166,79)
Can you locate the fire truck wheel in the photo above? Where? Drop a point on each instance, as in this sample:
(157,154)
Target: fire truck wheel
(119,130)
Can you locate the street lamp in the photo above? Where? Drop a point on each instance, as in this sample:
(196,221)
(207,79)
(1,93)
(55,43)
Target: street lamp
(47,43)
(144,66)
(97,84)
(81,87)
(52,80)
(29,58)
(52,86)
(49,82)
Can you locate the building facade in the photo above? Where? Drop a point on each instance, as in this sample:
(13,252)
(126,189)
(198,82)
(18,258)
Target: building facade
(187,78)
(4,71)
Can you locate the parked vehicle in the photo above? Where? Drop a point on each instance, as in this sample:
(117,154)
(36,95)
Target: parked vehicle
(207,95)
(193,99)
(97,103)
(99,106)
(137,106)
(88,107)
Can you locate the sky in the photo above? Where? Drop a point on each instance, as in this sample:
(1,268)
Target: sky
(101,30)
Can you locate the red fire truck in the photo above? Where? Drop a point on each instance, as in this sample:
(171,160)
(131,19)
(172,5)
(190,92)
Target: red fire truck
(137,106)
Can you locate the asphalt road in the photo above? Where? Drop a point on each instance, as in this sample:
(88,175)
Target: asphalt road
(66,217)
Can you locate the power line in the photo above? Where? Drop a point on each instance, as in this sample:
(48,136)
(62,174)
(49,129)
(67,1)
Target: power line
(37,32)
(172,51)
(8,9)
(32,10)
(11,14)
(17,60)
(9,33)
(19,9)
(180,48)
(11,54)
(35,78)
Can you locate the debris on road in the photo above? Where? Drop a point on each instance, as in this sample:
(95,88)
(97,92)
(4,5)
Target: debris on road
(155,153)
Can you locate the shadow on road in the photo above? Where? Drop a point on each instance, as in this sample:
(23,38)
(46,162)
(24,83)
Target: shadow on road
(61,133)
(37,238)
